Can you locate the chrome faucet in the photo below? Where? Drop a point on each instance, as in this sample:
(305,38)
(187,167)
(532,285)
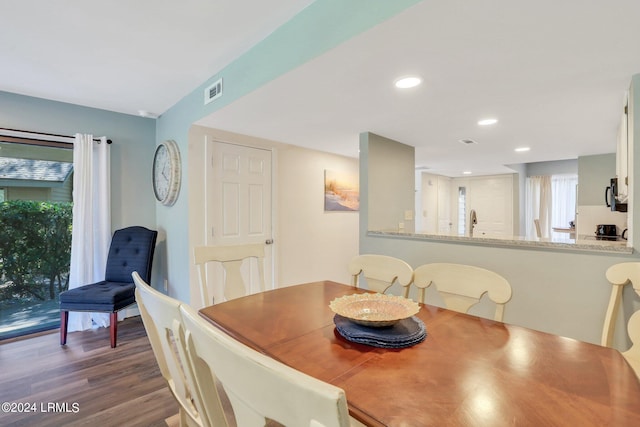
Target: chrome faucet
(473,220)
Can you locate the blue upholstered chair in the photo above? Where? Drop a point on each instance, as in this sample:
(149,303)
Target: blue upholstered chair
(131,250)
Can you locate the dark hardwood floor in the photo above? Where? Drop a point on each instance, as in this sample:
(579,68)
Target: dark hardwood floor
(85,382)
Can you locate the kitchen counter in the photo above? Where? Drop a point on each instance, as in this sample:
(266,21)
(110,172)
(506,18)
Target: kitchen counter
(564,242)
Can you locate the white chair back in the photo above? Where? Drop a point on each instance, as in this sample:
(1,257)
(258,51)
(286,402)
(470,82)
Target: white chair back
(536,223)
(633,354)
(259,388)
(231,258)
(619,275)
(380,272)
(461,286)
(163,323)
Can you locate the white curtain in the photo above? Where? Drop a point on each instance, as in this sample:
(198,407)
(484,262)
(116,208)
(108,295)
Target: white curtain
(563,189)
(539,205)
(91,222)
(551,200)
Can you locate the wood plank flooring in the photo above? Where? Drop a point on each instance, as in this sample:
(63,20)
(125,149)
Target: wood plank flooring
(85,382)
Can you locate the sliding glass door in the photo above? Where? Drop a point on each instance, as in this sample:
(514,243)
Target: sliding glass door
(35,235)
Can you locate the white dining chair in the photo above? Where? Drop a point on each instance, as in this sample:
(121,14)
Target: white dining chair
(536,224)
(619,275)
(380,272)
(633,354)
(163,322)
(461,286)
(259,388)
(231,258)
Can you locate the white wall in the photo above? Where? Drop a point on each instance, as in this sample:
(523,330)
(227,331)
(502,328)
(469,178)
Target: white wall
(427,211)
(432,196)
(492,197)
(312,244)
(309,244)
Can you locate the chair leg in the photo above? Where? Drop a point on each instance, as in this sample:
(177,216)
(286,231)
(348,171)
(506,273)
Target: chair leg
(64,319)
(114,328)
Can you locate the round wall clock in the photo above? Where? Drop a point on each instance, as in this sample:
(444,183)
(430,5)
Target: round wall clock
(166,173)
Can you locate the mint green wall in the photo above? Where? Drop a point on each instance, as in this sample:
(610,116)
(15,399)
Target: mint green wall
(519,195)
(320,27)
(390,194)
(552,168)
(131,152)
(132,201)
(594,175)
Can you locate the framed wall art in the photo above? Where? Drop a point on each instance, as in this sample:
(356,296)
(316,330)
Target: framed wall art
(341,191)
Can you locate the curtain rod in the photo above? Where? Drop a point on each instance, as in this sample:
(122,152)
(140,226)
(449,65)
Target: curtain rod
(48,134)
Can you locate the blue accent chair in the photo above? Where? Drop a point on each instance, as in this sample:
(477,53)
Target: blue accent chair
(131,250)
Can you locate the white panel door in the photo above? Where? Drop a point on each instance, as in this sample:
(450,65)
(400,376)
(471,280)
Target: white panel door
(492,199)
(429,208)
(239,207)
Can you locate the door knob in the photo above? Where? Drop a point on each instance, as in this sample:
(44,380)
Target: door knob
(269,241)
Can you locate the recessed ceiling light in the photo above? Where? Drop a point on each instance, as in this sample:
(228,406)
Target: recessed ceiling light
(522,149)
(408,82)
(487,122)
(466,173)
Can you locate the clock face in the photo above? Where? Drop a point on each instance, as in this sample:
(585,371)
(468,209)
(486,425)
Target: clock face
(161,168)
(166,173)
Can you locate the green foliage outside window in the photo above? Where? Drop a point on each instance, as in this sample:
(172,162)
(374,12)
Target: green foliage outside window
(35,249)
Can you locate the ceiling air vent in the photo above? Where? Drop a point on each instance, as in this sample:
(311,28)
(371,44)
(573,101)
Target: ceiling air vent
(213,91)
(467,141)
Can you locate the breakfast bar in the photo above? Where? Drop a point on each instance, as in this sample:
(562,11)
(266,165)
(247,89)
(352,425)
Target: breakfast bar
(581,243)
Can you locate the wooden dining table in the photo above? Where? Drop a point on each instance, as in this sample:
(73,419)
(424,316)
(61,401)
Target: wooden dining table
(469,371)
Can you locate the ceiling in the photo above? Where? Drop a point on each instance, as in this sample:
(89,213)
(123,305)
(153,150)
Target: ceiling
(553,73)
(128,56)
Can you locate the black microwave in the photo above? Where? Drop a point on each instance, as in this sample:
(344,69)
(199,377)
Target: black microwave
(611,197)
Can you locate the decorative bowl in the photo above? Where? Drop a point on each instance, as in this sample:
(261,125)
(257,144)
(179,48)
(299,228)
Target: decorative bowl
(374,310)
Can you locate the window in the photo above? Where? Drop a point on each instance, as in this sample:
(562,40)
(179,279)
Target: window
(35,234)
(552,201)
(563,199)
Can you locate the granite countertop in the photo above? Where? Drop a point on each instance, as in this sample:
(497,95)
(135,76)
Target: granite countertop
(582,243)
